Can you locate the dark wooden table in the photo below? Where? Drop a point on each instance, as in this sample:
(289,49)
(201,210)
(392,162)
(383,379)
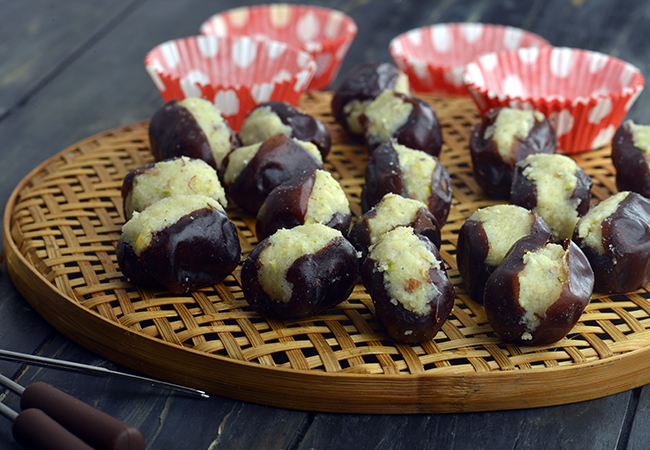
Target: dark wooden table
(71,69)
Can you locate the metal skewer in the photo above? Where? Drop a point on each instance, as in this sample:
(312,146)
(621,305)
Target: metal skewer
(86,368)
(8,412)
(18,389)
(11,384)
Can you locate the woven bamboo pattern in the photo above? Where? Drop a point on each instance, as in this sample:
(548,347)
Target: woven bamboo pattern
(67,217)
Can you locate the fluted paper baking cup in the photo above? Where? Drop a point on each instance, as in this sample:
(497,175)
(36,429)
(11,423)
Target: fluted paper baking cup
(235,73)
(584,94)
(325,33)
(435,56)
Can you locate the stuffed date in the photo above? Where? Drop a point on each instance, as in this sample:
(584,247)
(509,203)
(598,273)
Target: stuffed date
(299,272)
(408,284)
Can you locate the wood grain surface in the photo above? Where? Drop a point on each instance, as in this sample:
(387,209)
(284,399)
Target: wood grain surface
(71,69)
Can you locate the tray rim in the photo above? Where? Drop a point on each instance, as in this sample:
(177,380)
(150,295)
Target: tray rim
(436,393)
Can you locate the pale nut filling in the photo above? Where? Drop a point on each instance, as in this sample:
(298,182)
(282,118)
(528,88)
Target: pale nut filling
(402,85)
(392,210)
(504,225)
(509,125)
(417,171)
(327,198)
(212,124)
(556,181)
(385,115)
(640,137)
(354,108)
(181,176)
(406,262)
(590,226)
(540,284)
(261,124)
(138,231)
(238,159)
(285,247)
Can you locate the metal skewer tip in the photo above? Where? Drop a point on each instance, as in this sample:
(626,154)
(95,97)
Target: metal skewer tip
(95,370)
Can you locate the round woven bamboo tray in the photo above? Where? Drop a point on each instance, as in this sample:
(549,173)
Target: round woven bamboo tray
(64,219)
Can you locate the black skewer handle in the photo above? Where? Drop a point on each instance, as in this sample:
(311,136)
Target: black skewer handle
(98,429)
(35,430)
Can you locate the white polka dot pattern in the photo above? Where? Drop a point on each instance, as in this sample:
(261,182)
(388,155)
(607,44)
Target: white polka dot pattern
(325,33)
(604,136)
(584,94)
(602,109)
(192,81)
(561,62)
(441,39)
(244,52)
(257,70)
(512,38)
(275,49)
(208,47)
(472,32)
(228,102)
(433,56)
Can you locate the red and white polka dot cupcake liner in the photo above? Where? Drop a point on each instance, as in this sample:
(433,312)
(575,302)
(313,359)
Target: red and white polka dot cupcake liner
(584,94)
(235,73)
(324,33)
(435,56)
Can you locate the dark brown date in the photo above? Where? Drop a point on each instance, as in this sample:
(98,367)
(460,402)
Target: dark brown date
(501,301)
(286,206)
(173,131)
(199,250)
(424,223)
(492,173)
(401,324)
(384,175)
(303,126)
(278,159)
(472,253)
(523,191)
(625,264)
(421,131)
(320,280)
(632,171)
(364,82)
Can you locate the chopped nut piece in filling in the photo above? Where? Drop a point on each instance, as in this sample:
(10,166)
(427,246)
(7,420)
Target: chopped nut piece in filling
(285,247)
(509,125)
(556,180)
(540,283)
(504,225)
(212,124)
(391,211)
(406,261)
(138,231)
(417,170)
(590,226)
(327,198)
